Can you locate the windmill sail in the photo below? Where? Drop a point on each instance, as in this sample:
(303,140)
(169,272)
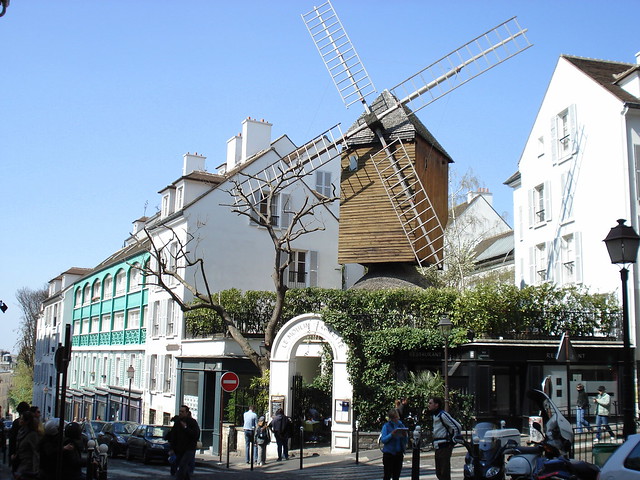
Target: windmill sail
(458,67)
(338,54)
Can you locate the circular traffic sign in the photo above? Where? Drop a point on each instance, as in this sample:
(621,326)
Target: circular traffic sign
(229,381)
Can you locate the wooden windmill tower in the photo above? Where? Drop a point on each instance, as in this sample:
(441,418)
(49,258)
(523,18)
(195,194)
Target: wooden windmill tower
(394,180)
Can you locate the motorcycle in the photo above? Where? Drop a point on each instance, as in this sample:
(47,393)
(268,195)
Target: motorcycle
(485,453)
(549,458)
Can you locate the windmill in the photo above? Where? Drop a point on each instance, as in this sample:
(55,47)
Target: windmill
(394,174)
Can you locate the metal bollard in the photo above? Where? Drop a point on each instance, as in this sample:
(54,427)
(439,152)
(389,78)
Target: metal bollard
(415,458)
(91,448)
(232,431)
(301,445)
(357,442)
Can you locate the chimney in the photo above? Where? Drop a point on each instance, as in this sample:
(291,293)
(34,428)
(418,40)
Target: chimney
(192,163)
(482,192)
(234,151)
(256,136)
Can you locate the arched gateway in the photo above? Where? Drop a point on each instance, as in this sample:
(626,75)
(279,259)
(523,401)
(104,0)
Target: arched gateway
(297,342)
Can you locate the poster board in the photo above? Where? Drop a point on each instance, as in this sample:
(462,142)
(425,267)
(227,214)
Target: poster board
(342,411)
(277,402)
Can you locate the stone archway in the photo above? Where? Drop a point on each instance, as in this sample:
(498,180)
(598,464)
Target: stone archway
(284,356)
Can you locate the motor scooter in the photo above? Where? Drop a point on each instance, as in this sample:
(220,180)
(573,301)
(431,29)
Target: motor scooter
(485,453)
(548,459)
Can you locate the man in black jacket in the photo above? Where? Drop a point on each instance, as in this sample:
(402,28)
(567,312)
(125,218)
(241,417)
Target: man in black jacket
(582,409)
(184,440)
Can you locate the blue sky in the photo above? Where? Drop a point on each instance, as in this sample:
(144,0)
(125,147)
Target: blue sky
(100,99)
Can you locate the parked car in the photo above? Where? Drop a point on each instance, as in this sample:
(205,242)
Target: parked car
(97,425)
(115,434)
(147,442)
(624,462)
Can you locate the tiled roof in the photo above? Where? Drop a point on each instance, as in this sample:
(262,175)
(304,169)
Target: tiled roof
(606,73)
(401,123)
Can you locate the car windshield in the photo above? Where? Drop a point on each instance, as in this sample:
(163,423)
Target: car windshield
(127,428)
(156,432)
(97,426)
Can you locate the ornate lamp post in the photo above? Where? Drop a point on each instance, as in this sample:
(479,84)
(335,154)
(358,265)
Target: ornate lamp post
(130,373)
(445,326)
(622,244)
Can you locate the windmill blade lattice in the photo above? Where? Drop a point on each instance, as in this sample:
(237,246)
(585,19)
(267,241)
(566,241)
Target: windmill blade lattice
(338,54)
(301,162)
(467,62)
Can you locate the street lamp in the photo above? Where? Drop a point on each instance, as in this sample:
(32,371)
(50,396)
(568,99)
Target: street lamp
(622,244)
(130,373)
(45,390)
(445,328)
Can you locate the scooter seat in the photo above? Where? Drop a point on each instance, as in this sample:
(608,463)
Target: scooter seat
(524,450)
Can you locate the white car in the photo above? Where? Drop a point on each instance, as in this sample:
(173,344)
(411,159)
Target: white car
(624,463)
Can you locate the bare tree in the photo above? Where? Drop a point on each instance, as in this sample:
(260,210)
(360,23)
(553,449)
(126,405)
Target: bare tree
(31,304)
(259,204)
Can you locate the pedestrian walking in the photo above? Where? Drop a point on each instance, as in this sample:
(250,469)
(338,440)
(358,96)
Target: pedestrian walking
(13,433)
(263,438)
(603,403)
(173,458)
(72,461)
(27,456)
(184,440)
(582,409)
(249,427)
(48,449)
(394,440)
(446,431)
(280,425)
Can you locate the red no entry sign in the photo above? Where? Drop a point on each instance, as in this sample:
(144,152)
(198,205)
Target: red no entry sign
(229,381)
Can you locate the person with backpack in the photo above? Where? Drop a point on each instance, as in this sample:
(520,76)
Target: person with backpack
(446,432)
(394,440)
(263,438)
(280,427)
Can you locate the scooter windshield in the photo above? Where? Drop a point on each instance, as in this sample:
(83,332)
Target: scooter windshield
(557,427)
(485,439)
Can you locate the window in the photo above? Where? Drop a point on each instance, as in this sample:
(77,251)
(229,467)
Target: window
(297,270)
(277,206)
(179,197)
(85,326)
(134,277)
(105,369)
(153,365)
(118,321)
(87,295)
(121,282)
(145,313)
(272,210)
(152,416)
(168,373)
(78,300)
(108,287)
(155,325)
(353,163)
(540,146)
(106,323)
(117,370)
(95,291)
(563,132)
(539,204)
(571,267)
(133,318)
(95,324)
(171,309)
(55,314)
(323,183)
(165,206)
(94,362)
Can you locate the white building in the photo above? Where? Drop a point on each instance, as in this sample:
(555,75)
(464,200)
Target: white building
(579,172)
(236,253)
(56,313)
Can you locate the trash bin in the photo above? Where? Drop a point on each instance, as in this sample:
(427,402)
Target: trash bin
(602,451)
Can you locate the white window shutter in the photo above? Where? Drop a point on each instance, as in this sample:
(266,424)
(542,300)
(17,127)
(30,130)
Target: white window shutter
(313,268)
(532,266)
(147,371)
(554,140)
(169,317)
(547,201)
(532,208)
(285,210)
(160,380)
(577,246)
(573,127)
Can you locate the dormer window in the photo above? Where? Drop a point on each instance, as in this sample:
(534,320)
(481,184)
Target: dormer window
(165,206)
(179,197)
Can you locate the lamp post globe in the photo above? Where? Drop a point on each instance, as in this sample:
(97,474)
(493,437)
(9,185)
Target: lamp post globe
(622,244)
